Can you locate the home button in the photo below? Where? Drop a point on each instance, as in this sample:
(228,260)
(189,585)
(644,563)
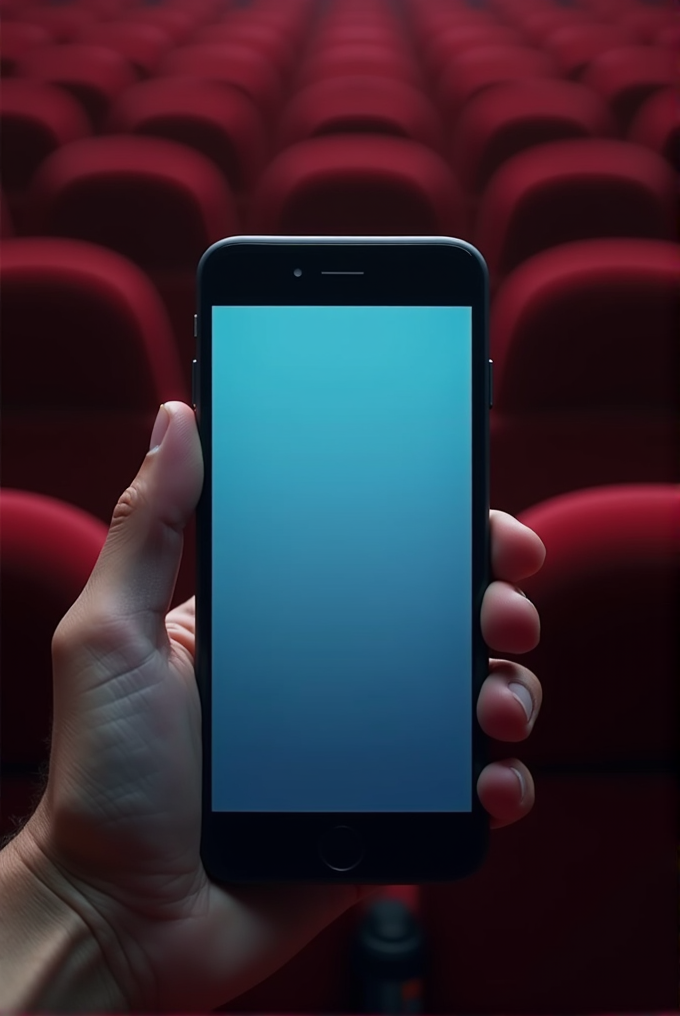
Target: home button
(341,848)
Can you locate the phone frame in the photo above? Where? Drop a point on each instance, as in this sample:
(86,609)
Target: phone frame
(405,847)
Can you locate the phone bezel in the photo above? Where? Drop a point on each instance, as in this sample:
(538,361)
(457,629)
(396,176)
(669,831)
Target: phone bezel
(411,847)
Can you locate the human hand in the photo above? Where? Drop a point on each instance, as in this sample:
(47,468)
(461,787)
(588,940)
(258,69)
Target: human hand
(117,833)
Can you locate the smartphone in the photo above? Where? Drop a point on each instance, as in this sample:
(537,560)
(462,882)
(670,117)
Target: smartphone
(342,392)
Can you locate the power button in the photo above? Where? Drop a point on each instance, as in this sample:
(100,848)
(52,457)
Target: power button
(194,366)
(490,384)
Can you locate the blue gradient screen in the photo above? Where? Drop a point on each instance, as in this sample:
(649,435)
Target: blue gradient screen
(341,560)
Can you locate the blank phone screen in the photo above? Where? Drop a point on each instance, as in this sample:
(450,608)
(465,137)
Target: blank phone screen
(341,559)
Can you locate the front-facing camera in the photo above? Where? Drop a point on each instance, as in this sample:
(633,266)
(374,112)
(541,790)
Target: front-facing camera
(297,272)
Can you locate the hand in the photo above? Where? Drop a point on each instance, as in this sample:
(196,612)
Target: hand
(117,831)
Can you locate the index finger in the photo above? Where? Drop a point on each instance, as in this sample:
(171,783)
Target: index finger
(516,550)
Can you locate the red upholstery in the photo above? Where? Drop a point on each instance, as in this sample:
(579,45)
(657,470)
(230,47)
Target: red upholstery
(575,910)
(217,120)
(90,359)
(363,104)
(648,22)
(354,184)
(357,61)
(626,77)
(575,46)
(64,22)
(583,339)
(657,125)
(178,24)
(95,75)
(143,46)
(234,64)
(35,120)
(506,119)
(17,40)
(157,202)
(609,656)
(6,224)
(452,42)
(484,66)
(573,190)
(539,25)
(265,39)
(47,550)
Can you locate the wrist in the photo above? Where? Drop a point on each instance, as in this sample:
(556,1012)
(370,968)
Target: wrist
(50,958)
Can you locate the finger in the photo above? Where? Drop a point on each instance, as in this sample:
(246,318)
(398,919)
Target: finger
(506,790)
(516,550)
(509,702)
(134,577)
(510,622)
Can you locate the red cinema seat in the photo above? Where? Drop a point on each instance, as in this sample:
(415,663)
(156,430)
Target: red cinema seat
(647,21)
(143,46)
(264,39)
(357,184)
(157,202)
(234,64)
(371,105)
(628,76)
(63,22)
(16,41)
(362,33)
(448,45)
(576,46)
(506,119)
(586,362)
(95,75)
(217,120)
(484,66)
(573,190)
(35,120)
(607,596)
(178,24)
(539,25)
(87,357)
(48,549)
(359,61)
(657,125)
(575,908)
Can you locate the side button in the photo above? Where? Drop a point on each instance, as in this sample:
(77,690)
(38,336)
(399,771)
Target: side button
(195,326)
(490,384)
(194,366)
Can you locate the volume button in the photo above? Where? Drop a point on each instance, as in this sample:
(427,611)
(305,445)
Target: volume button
(194,384)
(490,384)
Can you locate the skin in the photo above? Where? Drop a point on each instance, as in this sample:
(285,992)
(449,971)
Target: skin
(116,834)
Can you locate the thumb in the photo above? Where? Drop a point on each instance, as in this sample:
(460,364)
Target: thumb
(136,571)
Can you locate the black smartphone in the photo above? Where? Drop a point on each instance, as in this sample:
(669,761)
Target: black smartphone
(342,388)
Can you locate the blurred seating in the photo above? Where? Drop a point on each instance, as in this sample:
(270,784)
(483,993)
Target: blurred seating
(143,46)
(357,184)
(506,119)
(157,202)
(484,66)
(217,120)
(267,40)
(94,75)
(371,105)
(575,907)
(576,46)
(607,597)
(449,44)
(647,20)
(16,41)
(628,76)
(238,65)
(178,24)
(573,190)
(48,549)
(35,120)
(6,224)
(657,125)
(586,362)
(359,60)
(62,22)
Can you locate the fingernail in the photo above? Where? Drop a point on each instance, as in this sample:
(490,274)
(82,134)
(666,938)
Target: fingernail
(522,781)
(521,592)
(523,696)
(159,428)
